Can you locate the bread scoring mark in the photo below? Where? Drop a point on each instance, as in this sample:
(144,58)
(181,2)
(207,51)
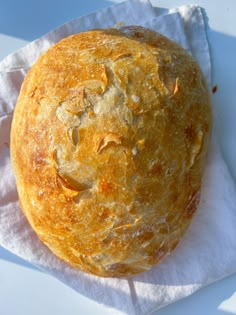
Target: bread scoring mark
(192,204)
(54,157)
(67,118)
(76,102)
(169,84)
(176,89)
(122,56)
(195,139)
(104,140)
(197,146)
(92,76)
(67,177)
(73,135)
(128,116)
(70,186)
(83,195)
(37,94)
(73,111)
(95,86)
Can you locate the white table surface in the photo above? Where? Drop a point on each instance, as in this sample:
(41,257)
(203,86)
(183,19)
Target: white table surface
(25,290)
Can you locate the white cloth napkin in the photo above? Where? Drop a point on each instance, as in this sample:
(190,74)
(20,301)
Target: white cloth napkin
(208,250)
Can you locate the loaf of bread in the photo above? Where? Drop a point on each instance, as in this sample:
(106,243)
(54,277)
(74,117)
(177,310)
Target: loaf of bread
(108,144)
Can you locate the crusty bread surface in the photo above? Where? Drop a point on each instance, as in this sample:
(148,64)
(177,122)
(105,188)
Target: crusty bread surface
(108,143)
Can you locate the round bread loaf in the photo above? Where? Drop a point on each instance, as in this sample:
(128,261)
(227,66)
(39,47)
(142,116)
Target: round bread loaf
(108,143)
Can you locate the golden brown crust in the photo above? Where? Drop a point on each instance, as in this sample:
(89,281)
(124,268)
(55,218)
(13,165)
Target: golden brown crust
(108,142)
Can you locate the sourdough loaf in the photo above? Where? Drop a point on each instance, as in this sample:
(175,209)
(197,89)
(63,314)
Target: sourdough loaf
(108,143)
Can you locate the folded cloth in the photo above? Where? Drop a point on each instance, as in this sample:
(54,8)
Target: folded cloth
(207,252)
